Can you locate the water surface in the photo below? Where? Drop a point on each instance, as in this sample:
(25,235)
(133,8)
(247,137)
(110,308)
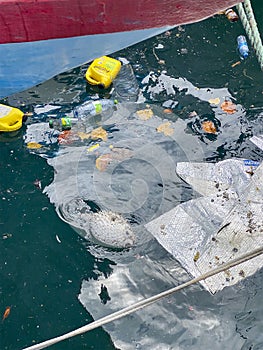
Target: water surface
(44,263)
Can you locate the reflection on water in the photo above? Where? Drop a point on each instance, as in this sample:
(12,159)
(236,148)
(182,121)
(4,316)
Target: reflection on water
(192,80)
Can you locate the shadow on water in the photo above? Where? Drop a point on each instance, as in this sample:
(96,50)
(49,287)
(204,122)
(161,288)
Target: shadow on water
(44,263)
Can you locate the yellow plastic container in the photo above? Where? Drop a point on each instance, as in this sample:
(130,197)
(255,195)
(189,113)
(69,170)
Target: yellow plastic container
(11,118)
(103,71)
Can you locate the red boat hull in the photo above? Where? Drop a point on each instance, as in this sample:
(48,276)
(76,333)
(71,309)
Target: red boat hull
(33,20)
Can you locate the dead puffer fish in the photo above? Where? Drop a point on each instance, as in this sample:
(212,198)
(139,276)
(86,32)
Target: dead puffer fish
(111,229)
(104,227)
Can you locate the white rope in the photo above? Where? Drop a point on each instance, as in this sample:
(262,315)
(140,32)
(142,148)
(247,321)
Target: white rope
(145,302)
(250,25)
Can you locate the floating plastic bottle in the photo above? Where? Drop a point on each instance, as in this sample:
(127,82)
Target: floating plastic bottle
(92,108)
(242,46)
(126,88)
(231,15)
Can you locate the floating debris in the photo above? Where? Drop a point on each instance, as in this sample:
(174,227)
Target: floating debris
(214,101)
(117,154)
(235,64)
(99,133)
(103,161)
(6,313)
(209,127)
(67,137)
(38,184)
(166,129)
(93,147)
(104,295)
(145,114)
(197,256)
(33,145)
(58,239)
(7,235)
(228,107)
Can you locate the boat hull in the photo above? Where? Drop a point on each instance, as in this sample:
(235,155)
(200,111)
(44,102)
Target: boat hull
(31,20)
(40,39)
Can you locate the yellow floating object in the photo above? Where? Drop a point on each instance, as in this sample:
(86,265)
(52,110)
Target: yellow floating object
(103,71)
(214,101)
(145,114)
(99,133)
(34,145)
(10,118)
(93,147)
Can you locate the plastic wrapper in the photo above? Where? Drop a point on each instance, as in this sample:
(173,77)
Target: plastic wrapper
(205,232)
(258,141)
(240,233)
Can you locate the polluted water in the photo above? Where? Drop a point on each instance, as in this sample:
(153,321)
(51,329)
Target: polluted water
(192,103)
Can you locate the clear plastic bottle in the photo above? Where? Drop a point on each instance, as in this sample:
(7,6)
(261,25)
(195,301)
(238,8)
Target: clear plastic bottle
(125,85)
(92,108)
(242,46)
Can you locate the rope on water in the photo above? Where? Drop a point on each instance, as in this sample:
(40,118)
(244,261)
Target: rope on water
(145,302)
(249,23)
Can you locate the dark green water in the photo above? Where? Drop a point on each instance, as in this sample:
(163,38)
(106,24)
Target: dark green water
(41,278)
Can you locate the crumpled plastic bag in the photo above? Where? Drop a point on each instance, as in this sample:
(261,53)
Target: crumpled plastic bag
(226,222)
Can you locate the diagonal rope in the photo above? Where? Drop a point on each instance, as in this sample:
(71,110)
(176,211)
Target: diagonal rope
(145,302)
(249,23)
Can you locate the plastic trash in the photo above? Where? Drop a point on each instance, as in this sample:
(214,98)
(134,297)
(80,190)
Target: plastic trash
(125,86)
(11,118)
(209,178)
(223,224)
(92,108)
(242,46)
(103,71)
(61,124)
(239,233)
(258,141)
(231,15)
(41,133)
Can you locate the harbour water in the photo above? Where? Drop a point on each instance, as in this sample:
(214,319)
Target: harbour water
(50,276)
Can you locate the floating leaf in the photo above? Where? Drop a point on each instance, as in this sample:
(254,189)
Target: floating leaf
(83,135)
(166,129)
(99,133)
(66,137)
(145,114)
(167,111)
(214,101)
(6,313)
(209,127)
(33,145)
(103,161)
(121,153)
(228,107)
(117,153)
